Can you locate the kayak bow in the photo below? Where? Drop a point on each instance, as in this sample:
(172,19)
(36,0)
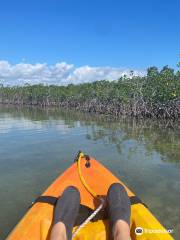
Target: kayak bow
(93,180)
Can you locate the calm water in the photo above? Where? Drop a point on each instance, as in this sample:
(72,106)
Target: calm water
(37,145)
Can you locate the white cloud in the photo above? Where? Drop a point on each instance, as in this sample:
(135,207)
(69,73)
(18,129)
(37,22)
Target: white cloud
(59,73)
(89,74)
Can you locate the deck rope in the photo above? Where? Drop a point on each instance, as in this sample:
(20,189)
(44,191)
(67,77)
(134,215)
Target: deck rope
(81,155)
(89,218)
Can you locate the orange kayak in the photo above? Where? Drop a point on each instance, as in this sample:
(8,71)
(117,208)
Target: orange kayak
(36,224)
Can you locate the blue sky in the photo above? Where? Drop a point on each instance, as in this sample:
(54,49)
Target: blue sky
(96,34)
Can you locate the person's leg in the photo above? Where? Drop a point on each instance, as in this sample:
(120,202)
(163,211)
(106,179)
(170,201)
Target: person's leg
(65,214)
(119,210)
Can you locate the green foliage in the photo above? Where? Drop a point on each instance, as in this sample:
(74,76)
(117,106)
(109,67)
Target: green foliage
(161,86)
(156,87)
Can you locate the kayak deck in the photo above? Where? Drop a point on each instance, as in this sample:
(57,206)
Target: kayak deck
(36,224)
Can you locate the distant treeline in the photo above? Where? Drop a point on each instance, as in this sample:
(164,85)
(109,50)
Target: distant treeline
(156,95)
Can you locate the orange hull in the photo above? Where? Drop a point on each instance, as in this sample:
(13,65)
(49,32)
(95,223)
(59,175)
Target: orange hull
(36,224)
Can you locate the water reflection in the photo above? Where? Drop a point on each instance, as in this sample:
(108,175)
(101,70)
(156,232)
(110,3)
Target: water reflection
(162,137)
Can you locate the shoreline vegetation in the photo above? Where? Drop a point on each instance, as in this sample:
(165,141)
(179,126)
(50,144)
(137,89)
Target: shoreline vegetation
(156,95)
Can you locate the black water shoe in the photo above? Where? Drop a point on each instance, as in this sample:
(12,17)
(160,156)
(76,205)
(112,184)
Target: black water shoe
(66,209)
(119,207)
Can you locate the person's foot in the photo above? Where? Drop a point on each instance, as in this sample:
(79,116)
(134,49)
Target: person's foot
(119,210)
(65,212)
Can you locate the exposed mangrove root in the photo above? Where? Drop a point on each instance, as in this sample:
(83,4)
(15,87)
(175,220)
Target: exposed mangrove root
(138,109)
